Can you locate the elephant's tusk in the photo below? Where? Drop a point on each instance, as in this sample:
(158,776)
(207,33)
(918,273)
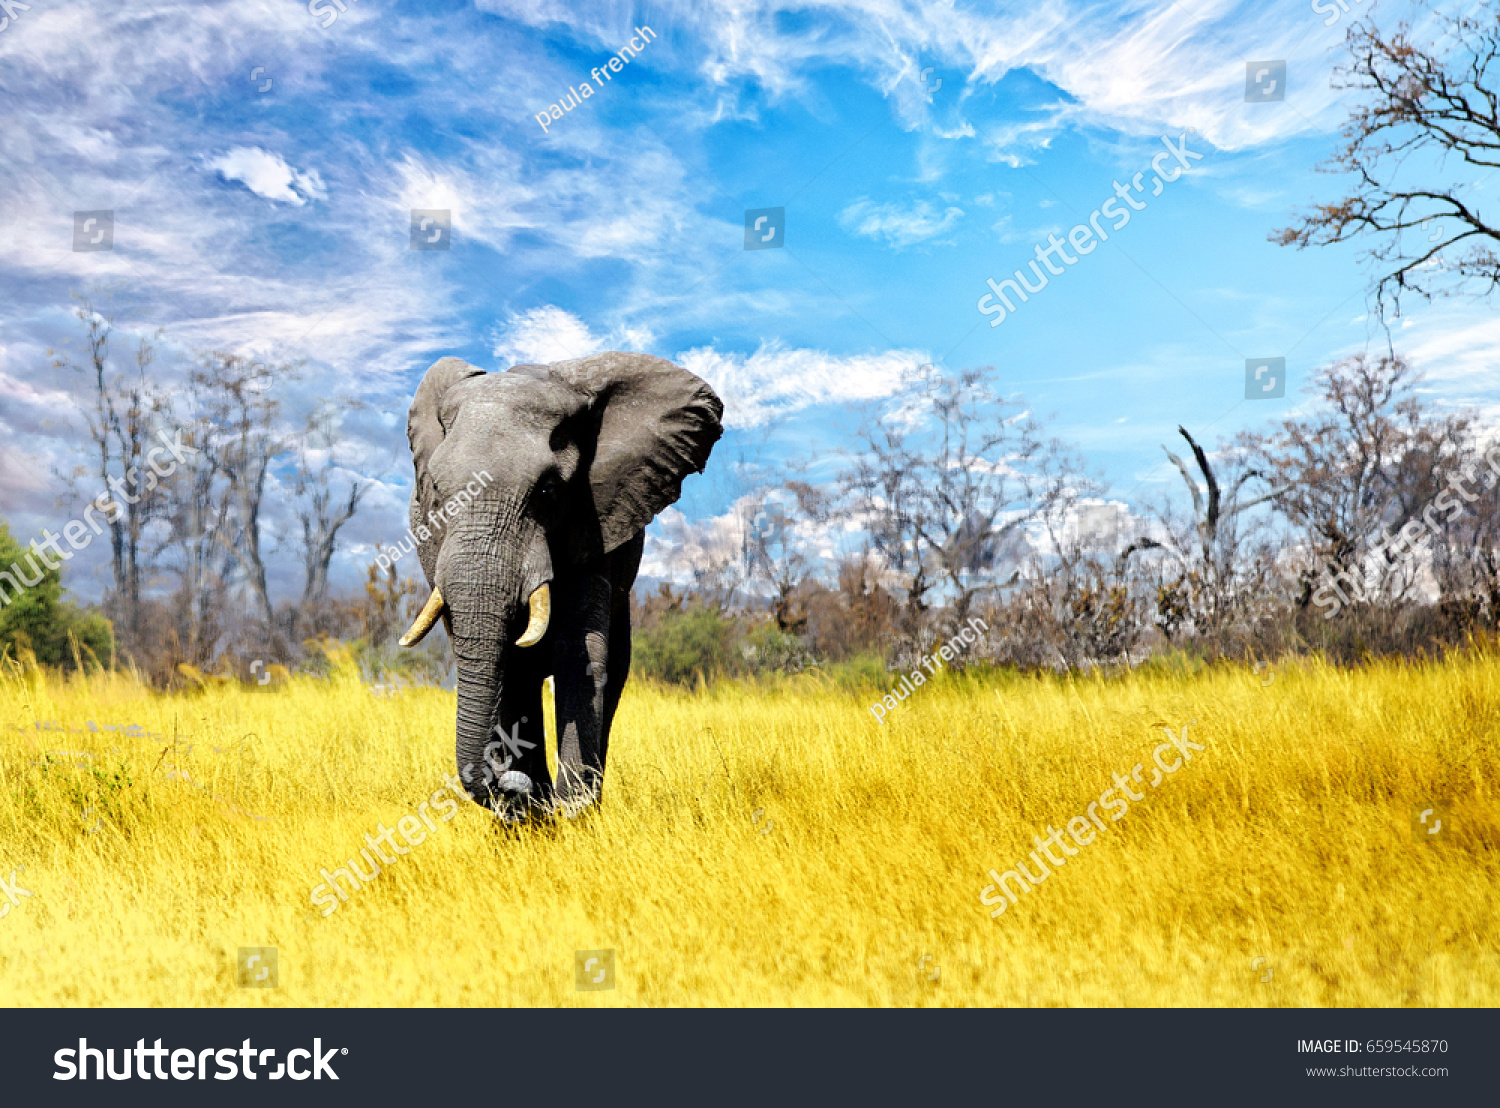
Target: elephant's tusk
(541,611)
(425,619)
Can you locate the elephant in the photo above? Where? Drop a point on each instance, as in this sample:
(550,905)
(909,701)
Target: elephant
(531,571)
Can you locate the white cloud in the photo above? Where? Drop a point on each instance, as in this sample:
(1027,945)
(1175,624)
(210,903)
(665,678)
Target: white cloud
(1461,354)
(1140,68)
(1458,355)
(898,226)
(485,204)
(677,546)
(25,482)
(268,175)
(776,381)
(544,335)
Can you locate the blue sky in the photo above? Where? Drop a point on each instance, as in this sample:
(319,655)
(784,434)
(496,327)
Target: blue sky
(277,222)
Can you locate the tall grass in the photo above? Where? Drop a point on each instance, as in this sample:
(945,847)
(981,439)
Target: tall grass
(768,844)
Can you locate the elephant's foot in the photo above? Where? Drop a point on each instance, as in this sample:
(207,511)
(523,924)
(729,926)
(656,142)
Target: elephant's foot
(576,807)
(578,791)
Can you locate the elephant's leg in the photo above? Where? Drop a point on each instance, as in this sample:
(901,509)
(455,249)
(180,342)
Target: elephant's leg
(619,656)
(580,674)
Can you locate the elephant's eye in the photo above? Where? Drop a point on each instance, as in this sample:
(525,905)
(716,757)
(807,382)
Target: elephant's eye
(545,495)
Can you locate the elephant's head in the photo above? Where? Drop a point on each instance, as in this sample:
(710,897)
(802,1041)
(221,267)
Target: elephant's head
(531,475)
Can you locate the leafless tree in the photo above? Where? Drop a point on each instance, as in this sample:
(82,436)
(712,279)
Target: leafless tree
(199,505)
(324,510)
(884,498)
(1075,603)
(1447,490)
(242,415)
(387,609)
(1216,579)
(943,485)
(1466,563)
(1426,102)
(1360,466)
(123,414)
(777,556)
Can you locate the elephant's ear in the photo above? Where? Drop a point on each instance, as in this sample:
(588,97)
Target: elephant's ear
(424,428)
(657,424)
(425,432)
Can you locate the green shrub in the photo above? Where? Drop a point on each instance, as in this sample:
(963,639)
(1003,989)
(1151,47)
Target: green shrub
(39,619)
(860,673)
(769,649)
(686,643)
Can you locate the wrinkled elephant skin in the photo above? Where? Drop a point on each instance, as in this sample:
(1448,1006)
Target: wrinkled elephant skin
(533,489)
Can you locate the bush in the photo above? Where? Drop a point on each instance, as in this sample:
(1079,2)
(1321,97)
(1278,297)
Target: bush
(769,649)
(686,643)
(38,619)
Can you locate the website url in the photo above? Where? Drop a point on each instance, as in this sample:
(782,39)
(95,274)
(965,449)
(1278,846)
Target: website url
(1378,1071)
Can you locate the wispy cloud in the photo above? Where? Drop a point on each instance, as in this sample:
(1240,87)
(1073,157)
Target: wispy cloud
(776,381)
(898,226)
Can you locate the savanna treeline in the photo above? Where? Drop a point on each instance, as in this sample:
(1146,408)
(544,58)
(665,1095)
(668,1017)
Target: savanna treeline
(966,508)
(1364,523)
(1360,522)
(188,541)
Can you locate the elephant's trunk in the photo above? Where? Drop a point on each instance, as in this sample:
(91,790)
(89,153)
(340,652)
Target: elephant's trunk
(480,684)
(483,623)
(486,583)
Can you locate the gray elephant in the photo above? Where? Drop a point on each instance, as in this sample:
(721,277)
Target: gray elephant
(533,488)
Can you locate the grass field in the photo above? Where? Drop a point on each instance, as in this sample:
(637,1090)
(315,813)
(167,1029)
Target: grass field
(769,845)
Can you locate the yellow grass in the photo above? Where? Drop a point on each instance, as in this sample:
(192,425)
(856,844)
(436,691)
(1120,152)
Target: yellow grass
(770,846)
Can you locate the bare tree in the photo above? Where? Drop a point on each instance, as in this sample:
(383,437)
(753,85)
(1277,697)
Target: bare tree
(884,498)
(388,603)
(323,511)
(943,485)
(123,416)
(1466,562)
(1215,581)
(776,555)
(1459,544)
(1073,604)
(1361,466)
(1427,102)
(242,416)
(200,504)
